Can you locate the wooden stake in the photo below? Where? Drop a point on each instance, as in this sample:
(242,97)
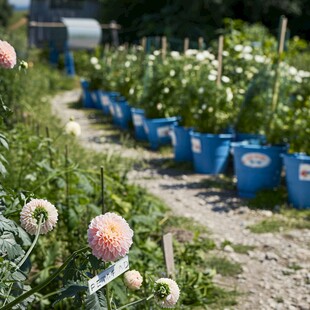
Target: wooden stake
(220,59)
(49,146)
(282,34)
(102,191)
(169,256)
(200,43)
(164,47)
(143,43)
(67,175)
(186,44)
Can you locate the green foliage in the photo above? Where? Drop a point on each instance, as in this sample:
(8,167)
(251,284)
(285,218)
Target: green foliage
(223,266)
(5,12)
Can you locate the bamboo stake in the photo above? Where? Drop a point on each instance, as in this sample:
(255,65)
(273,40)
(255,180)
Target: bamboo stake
(67,175)
(186,44)
(164,47)
(220,59)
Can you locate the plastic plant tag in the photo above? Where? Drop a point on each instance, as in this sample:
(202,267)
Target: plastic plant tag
(256,160)
(196,145)
(108,275)
(163,131)
(304,172)
(137,120)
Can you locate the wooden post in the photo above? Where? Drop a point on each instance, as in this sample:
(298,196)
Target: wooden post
(200,43)
(164,47)
(169,256)
(114,33)
(186,44)
(220,59)
(143,43)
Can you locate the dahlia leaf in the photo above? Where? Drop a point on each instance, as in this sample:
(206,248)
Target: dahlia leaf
(70,291)
(96,301)
(8,245)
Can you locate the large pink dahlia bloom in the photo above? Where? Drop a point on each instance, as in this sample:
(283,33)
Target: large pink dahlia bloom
(31,212)
(7,55)
(166,292)
(109,237)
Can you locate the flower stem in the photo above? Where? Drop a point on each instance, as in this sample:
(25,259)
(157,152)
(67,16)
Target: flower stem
(26,255)
(136,302)
(44,283)
(33,243)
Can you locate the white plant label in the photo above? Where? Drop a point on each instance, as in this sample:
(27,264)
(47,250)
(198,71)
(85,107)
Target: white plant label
(105,100)
(108,275)
(304,172)
(173,138)
(256,160)
(196,145)
(137,120)
(119,113)
(163,131)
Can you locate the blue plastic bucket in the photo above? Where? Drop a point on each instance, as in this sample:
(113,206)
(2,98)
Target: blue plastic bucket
(181,142)
(158,130)
(87,98)
(138,116)
(104,100)
(210,152)
(297,167)
(122,114)
(257,167)
(252,138)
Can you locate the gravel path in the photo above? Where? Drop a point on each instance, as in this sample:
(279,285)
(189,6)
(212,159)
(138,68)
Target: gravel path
(266,280)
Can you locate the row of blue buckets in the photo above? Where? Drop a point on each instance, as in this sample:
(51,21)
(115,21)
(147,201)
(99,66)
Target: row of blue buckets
(256,166)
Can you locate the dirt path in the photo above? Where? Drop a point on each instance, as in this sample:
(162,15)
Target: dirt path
(268,279)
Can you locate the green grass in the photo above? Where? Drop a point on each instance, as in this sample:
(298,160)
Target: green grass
(220,181)
(238,248)
(223,266)
(288,219)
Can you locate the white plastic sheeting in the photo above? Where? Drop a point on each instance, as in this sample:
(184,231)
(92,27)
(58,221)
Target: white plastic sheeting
(82,32)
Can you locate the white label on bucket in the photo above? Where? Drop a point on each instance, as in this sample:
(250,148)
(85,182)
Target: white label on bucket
(196,145)
(146,129)
(173,138)
(163,131)
(137,120)
(256,160)
(105,100)
(111,109)
(304,172)
(119,113)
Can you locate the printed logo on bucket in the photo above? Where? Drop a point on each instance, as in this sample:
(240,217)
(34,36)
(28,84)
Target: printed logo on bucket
(196,145)
(304,172)
(137,120)
(105,100)
(163,131)
(255,160)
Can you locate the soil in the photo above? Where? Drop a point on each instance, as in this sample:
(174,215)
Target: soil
(269,279)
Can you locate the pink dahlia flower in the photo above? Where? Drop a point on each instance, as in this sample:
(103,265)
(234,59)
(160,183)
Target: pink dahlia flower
(166,292)
(7,55)
(30,216)
(133,279)
(109,237)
